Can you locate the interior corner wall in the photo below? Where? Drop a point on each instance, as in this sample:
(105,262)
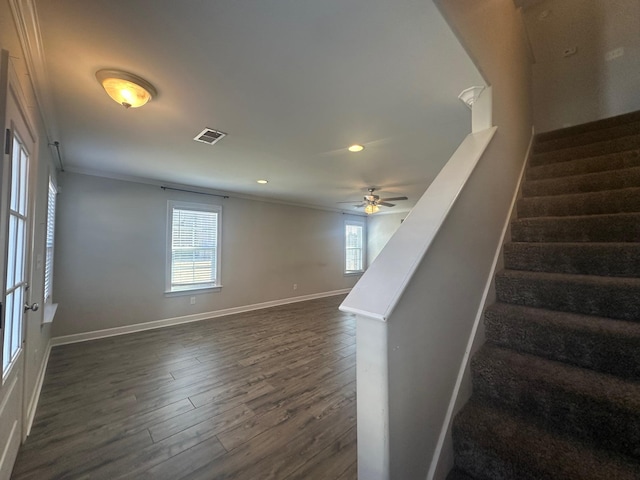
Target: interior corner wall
(111,246)
(380,228)
(585,86)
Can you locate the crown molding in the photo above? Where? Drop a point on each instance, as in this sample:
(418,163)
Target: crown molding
(199,189)
(27,24)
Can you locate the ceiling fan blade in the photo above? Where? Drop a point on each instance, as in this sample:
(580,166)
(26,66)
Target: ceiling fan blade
(387,204)
(391,199)
(350,201)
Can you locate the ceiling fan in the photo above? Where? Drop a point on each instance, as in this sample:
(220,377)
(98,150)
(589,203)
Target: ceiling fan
(372,202)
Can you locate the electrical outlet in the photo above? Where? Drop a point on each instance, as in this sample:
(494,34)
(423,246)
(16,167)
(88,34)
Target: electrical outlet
(615,53)
(193,300)
(295,286)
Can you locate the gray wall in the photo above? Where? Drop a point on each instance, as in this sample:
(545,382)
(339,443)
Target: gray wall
(585,86)
(380,228)
(111,254)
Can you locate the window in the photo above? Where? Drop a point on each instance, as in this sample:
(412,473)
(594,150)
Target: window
(354,251)
(51,223)
(193,251)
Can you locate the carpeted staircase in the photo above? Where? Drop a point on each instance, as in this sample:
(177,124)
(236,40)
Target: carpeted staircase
(556,388)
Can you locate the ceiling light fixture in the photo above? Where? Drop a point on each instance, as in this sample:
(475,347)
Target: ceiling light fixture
(356,148)
(127,89)
(371,208)
(262,182)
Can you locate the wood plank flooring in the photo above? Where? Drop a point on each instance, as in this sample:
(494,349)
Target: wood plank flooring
(269,394)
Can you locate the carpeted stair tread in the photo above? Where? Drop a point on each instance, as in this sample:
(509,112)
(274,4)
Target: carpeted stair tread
(620,144)
(556,387)
(591,203)
(607,258)
(589,182)
(613,297)
(598,343)
(615,227)
(456,474)
(593,126)
(491,444)
(598,408)
(584,138)
(612,161)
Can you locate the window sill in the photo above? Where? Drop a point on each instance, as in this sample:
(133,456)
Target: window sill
(193,291)
(49,312)
(353,274)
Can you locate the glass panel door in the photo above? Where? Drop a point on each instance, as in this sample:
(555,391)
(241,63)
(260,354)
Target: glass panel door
(16,278)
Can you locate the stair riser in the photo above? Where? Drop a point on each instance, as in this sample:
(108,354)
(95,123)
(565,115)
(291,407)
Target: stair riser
(586,138)
(483,463)
(458,475)
(608,299)
(614,161)
(596,182)
(490,444)
(590,150)
(621,259)
(608,353)
(562,411)
(615,228)
(614,201)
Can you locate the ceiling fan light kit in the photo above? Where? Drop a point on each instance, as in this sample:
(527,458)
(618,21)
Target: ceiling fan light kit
(127,89)
(371,208)
(372,202)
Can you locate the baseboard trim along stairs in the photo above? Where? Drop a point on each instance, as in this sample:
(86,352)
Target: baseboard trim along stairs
(556,387)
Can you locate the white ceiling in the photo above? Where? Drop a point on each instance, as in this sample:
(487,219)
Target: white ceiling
(292,82)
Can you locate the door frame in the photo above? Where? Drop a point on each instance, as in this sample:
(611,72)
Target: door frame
(15,381)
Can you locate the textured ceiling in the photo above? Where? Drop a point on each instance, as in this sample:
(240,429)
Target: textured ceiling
(293,83)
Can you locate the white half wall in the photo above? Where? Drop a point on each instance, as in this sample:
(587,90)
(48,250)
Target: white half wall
(426,314)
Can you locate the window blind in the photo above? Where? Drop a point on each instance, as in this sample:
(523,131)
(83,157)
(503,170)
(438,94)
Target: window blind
(51,221)
(354,239)
(194,246)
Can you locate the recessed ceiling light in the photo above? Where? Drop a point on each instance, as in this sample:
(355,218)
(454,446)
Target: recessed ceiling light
(262,182)
(356,148)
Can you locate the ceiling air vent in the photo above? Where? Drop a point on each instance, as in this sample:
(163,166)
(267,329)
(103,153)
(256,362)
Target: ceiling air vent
(209,136)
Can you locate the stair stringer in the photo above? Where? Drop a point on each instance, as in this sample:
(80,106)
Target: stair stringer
(442,460)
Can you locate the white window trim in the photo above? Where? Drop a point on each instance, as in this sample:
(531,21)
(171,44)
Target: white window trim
(363,224)
(204,207)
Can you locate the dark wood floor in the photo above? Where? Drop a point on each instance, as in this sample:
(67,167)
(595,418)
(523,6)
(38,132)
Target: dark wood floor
(265,394)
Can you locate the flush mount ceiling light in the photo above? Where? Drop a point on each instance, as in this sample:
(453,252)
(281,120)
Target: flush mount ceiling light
(127,89)
(356,148)
(262,182)
(371,208)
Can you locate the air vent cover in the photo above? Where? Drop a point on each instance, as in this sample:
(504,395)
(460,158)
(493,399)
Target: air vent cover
(209,136)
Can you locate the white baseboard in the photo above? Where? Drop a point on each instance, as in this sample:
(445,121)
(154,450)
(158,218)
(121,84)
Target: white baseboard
(110,332)
(35,397)
(435,469)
